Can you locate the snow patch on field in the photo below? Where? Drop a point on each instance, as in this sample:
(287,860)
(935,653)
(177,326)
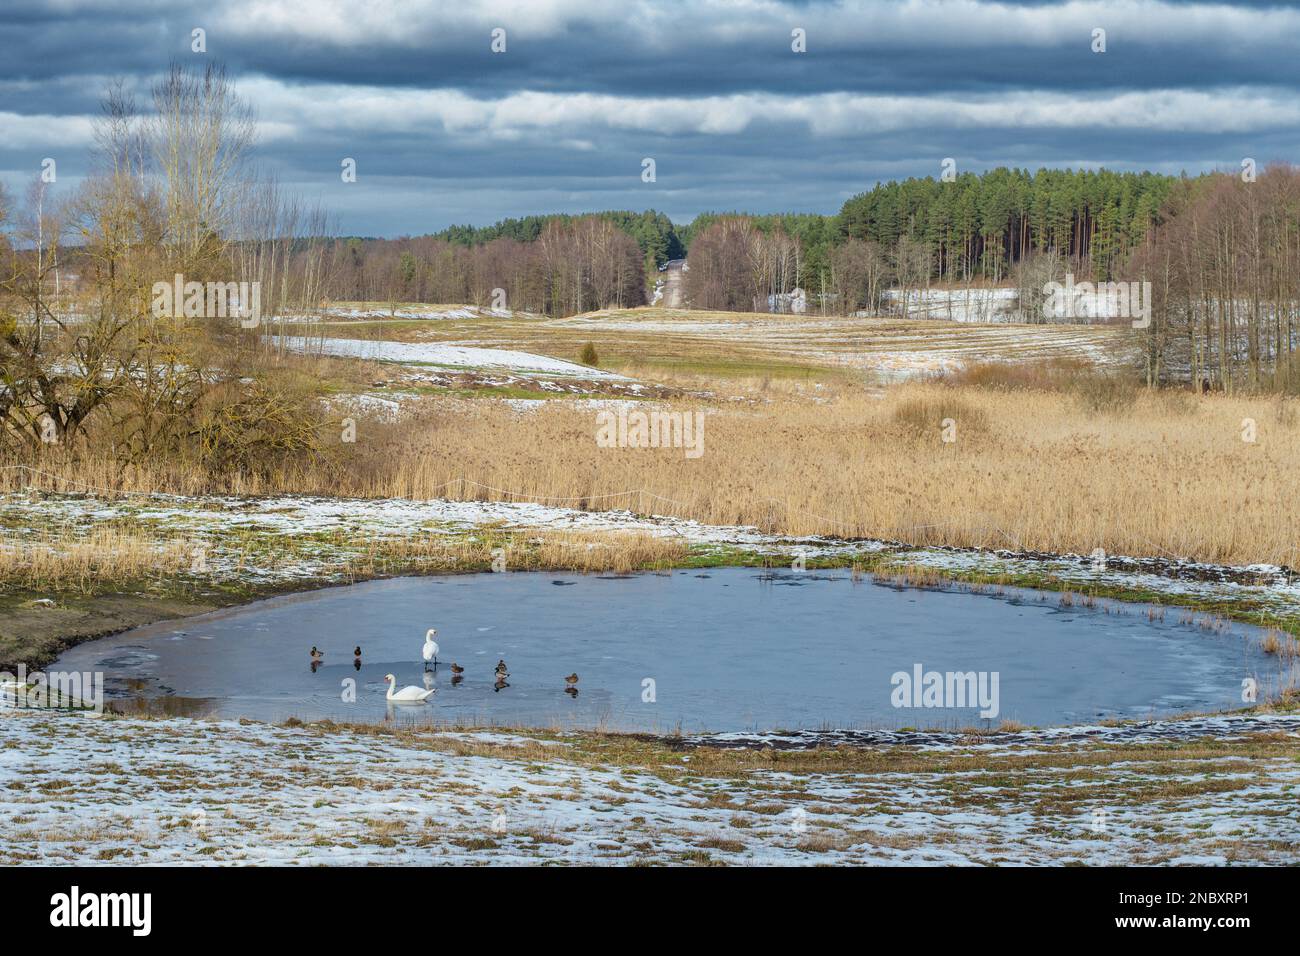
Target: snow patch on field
(400,313)
(444,354)
(83,790)
(385,408)
(1216,727)
(534,404)
(957,305)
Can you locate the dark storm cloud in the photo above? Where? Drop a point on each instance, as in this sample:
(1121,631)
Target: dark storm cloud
(59,40)
(443,130)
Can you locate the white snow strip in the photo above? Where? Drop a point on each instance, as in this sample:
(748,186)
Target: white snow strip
(444,354)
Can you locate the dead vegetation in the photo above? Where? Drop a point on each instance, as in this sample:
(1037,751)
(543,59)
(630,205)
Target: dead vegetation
(1163,475)
(106,557)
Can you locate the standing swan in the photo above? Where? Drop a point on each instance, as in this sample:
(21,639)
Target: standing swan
(407,695)
(430,648)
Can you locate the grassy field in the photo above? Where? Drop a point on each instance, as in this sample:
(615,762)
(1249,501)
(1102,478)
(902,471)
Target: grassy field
(700,345)
(239,791)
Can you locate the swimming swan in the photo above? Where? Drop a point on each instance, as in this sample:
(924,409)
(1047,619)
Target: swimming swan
(407,695)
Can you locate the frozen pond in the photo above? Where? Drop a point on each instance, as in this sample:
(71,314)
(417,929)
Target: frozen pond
(720,650)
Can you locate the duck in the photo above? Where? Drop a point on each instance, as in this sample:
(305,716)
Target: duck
(407,695)
(457,669)
(316,656)
(356,652)
(430,649)
(571,679)
(502,670)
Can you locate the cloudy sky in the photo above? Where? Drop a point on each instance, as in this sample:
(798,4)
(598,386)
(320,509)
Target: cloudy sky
(444,130)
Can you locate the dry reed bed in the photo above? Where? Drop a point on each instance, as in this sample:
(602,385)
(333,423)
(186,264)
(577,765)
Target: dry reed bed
(1153,475)
(1168,476)
(103,556)
(619,552)
(61,560)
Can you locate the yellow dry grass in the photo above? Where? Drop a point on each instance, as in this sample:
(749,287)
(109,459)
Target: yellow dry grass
(619,552)
(1154,474)
(60,559)
(1168,475)
(63,560)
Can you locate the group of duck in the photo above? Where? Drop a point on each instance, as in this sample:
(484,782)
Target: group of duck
(318,658)
(413,694)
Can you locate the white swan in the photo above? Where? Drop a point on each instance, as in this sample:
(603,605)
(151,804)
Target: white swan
(430,647)
(407,695)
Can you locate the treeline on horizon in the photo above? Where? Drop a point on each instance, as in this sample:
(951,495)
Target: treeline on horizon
(977,225)
(653,231)
(1222,253)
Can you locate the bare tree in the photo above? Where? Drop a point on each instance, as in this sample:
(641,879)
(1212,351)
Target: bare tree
(857,275)
(913,261)
(201,132)
(1031,275)
(1224,268)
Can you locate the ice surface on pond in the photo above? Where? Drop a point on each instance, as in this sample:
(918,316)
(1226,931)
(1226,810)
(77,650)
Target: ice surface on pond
(723,650)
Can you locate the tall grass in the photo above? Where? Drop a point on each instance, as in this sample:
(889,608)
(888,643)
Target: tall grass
(63,560)
(66,561)
(1160,475)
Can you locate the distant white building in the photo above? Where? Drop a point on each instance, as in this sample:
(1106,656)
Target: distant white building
(795,301)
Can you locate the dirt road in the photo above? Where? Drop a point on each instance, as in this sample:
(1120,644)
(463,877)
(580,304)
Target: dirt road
(675,284)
